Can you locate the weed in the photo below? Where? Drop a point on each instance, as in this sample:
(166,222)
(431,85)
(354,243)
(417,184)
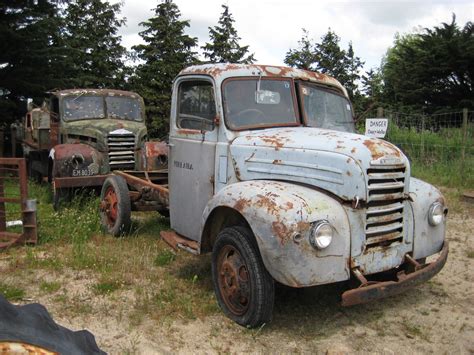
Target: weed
(470,254)
(412,330)
(106,287)
(165,257)
(50,287)
(11,293)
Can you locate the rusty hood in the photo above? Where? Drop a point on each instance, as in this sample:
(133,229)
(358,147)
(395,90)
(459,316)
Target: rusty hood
(334,161)
(101,128)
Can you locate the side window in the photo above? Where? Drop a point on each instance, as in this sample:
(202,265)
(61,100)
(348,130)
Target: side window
(28,120)
(196,105)
(54,108)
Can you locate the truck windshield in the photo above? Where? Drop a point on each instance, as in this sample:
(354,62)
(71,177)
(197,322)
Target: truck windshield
(259,102)
(125,108)
(83,107)
(326,109)
(93,107)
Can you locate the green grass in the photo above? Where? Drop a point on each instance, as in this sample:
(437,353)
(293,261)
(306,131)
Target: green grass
(50,287)
(437,156)
(165,257)
(470,254)
(11,293)
(106,287)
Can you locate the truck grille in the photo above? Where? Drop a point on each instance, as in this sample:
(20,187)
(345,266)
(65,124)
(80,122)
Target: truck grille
(384,221)
(121,151)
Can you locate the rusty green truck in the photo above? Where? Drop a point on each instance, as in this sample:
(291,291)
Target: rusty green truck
(81,135)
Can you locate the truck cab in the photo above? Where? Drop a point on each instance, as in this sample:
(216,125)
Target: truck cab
(267,172)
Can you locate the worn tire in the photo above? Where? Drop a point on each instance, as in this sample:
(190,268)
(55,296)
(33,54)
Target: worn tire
(237,264)
(32,324)
(32,174)
(115,212)
(61,196)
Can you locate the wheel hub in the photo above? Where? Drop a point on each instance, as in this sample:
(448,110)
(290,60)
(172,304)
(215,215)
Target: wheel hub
(109,205)
(233,280)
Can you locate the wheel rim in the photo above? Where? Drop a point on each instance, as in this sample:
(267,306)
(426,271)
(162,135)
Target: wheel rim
(233,280)
(110,205)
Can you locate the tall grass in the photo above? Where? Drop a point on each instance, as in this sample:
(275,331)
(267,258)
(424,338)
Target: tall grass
(436,156)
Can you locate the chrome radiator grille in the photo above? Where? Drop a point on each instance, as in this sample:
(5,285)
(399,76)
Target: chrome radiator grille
(384,221)
(121,151)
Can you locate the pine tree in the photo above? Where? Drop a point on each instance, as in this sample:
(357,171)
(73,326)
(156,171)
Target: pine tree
(224,46)
(327,57)
(305,56)
(167,50)
(432,70)
(31,54)
(96,55)
(352,66)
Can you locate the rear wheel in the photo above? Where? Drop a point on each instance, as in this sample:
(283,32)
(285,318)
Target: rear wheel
(244,288)
(61,196)
(115,208)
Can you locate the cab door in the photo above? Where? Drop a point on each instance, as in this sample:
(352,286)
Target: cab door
(192,147)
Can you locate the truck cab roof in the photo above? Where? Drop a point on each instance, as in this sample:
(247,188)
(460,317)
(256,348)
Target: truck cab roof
(221,71)
(99,92)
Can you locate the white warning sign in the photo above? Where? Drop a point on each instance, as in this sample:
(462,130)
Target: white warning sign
(376,127)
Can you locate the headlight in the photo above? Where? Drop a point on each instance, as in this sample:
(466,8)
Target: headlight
(321,235)
(435,214)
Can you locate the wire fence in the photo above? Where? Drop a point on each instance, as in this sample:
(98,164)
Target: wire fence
(439,146)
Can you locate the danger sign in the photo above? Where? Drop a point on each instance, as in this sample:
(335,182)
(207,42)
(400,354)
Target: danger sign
(376,127)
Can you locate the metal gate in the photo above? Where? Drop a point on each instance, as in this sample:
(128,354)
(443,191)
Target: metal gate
(14,203)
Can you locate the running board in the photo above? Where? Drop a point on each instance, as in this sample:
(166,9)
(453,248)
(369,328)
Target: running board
(175,241)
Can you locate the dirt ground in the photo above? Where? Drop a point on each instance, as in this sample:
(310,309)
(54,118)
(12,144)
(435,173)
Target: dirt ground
(436,317)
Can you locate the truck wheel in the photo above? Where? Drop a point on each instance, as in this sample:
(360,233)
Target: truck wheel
(32,325)
(60,197)
(33,174)
(115,209)
(244,288)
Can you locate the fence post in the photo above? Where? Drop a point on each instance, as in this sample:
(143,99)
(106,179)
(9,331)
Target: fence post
(2,142)
(422,150)
(464,137)
(379,112)
(13,140)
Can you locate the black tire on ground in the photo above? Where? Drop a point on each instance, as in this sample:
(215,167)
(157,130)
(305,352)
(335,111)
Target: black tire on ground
(115,207)
(32,324)
(61,196)
(244,289)
(33,174)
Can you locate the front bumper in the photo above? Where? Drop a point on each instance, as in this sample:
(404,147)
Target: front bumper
(374,291)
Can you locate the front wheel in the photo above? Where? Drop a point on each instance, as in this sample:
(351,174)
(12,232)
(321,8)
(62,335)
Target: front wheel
(115,208)
(244,288)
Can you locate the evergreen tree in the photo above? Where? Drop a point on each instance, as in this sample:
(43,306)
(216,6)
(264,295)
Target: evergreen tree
(352,67)
(331,59)
(167,50)
(31,54)
(433,69)
(305,56)
(224,46)
(372,85)
(96,55)
(327,57)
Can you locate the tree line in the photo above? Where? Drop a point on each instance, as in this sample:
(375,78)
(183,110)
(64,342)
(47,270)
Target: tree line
(57,44)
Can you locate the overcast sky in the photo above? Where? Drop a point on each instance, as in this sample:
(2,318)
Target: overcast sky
(271,27)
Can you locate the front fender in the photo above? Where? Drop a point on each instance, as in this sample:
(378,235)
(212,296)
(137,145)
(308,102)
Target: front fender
(280,215)
(73,160)
(428,239)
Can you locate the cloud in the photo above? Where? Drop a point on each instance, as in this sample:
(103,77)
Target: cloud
(272,27)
